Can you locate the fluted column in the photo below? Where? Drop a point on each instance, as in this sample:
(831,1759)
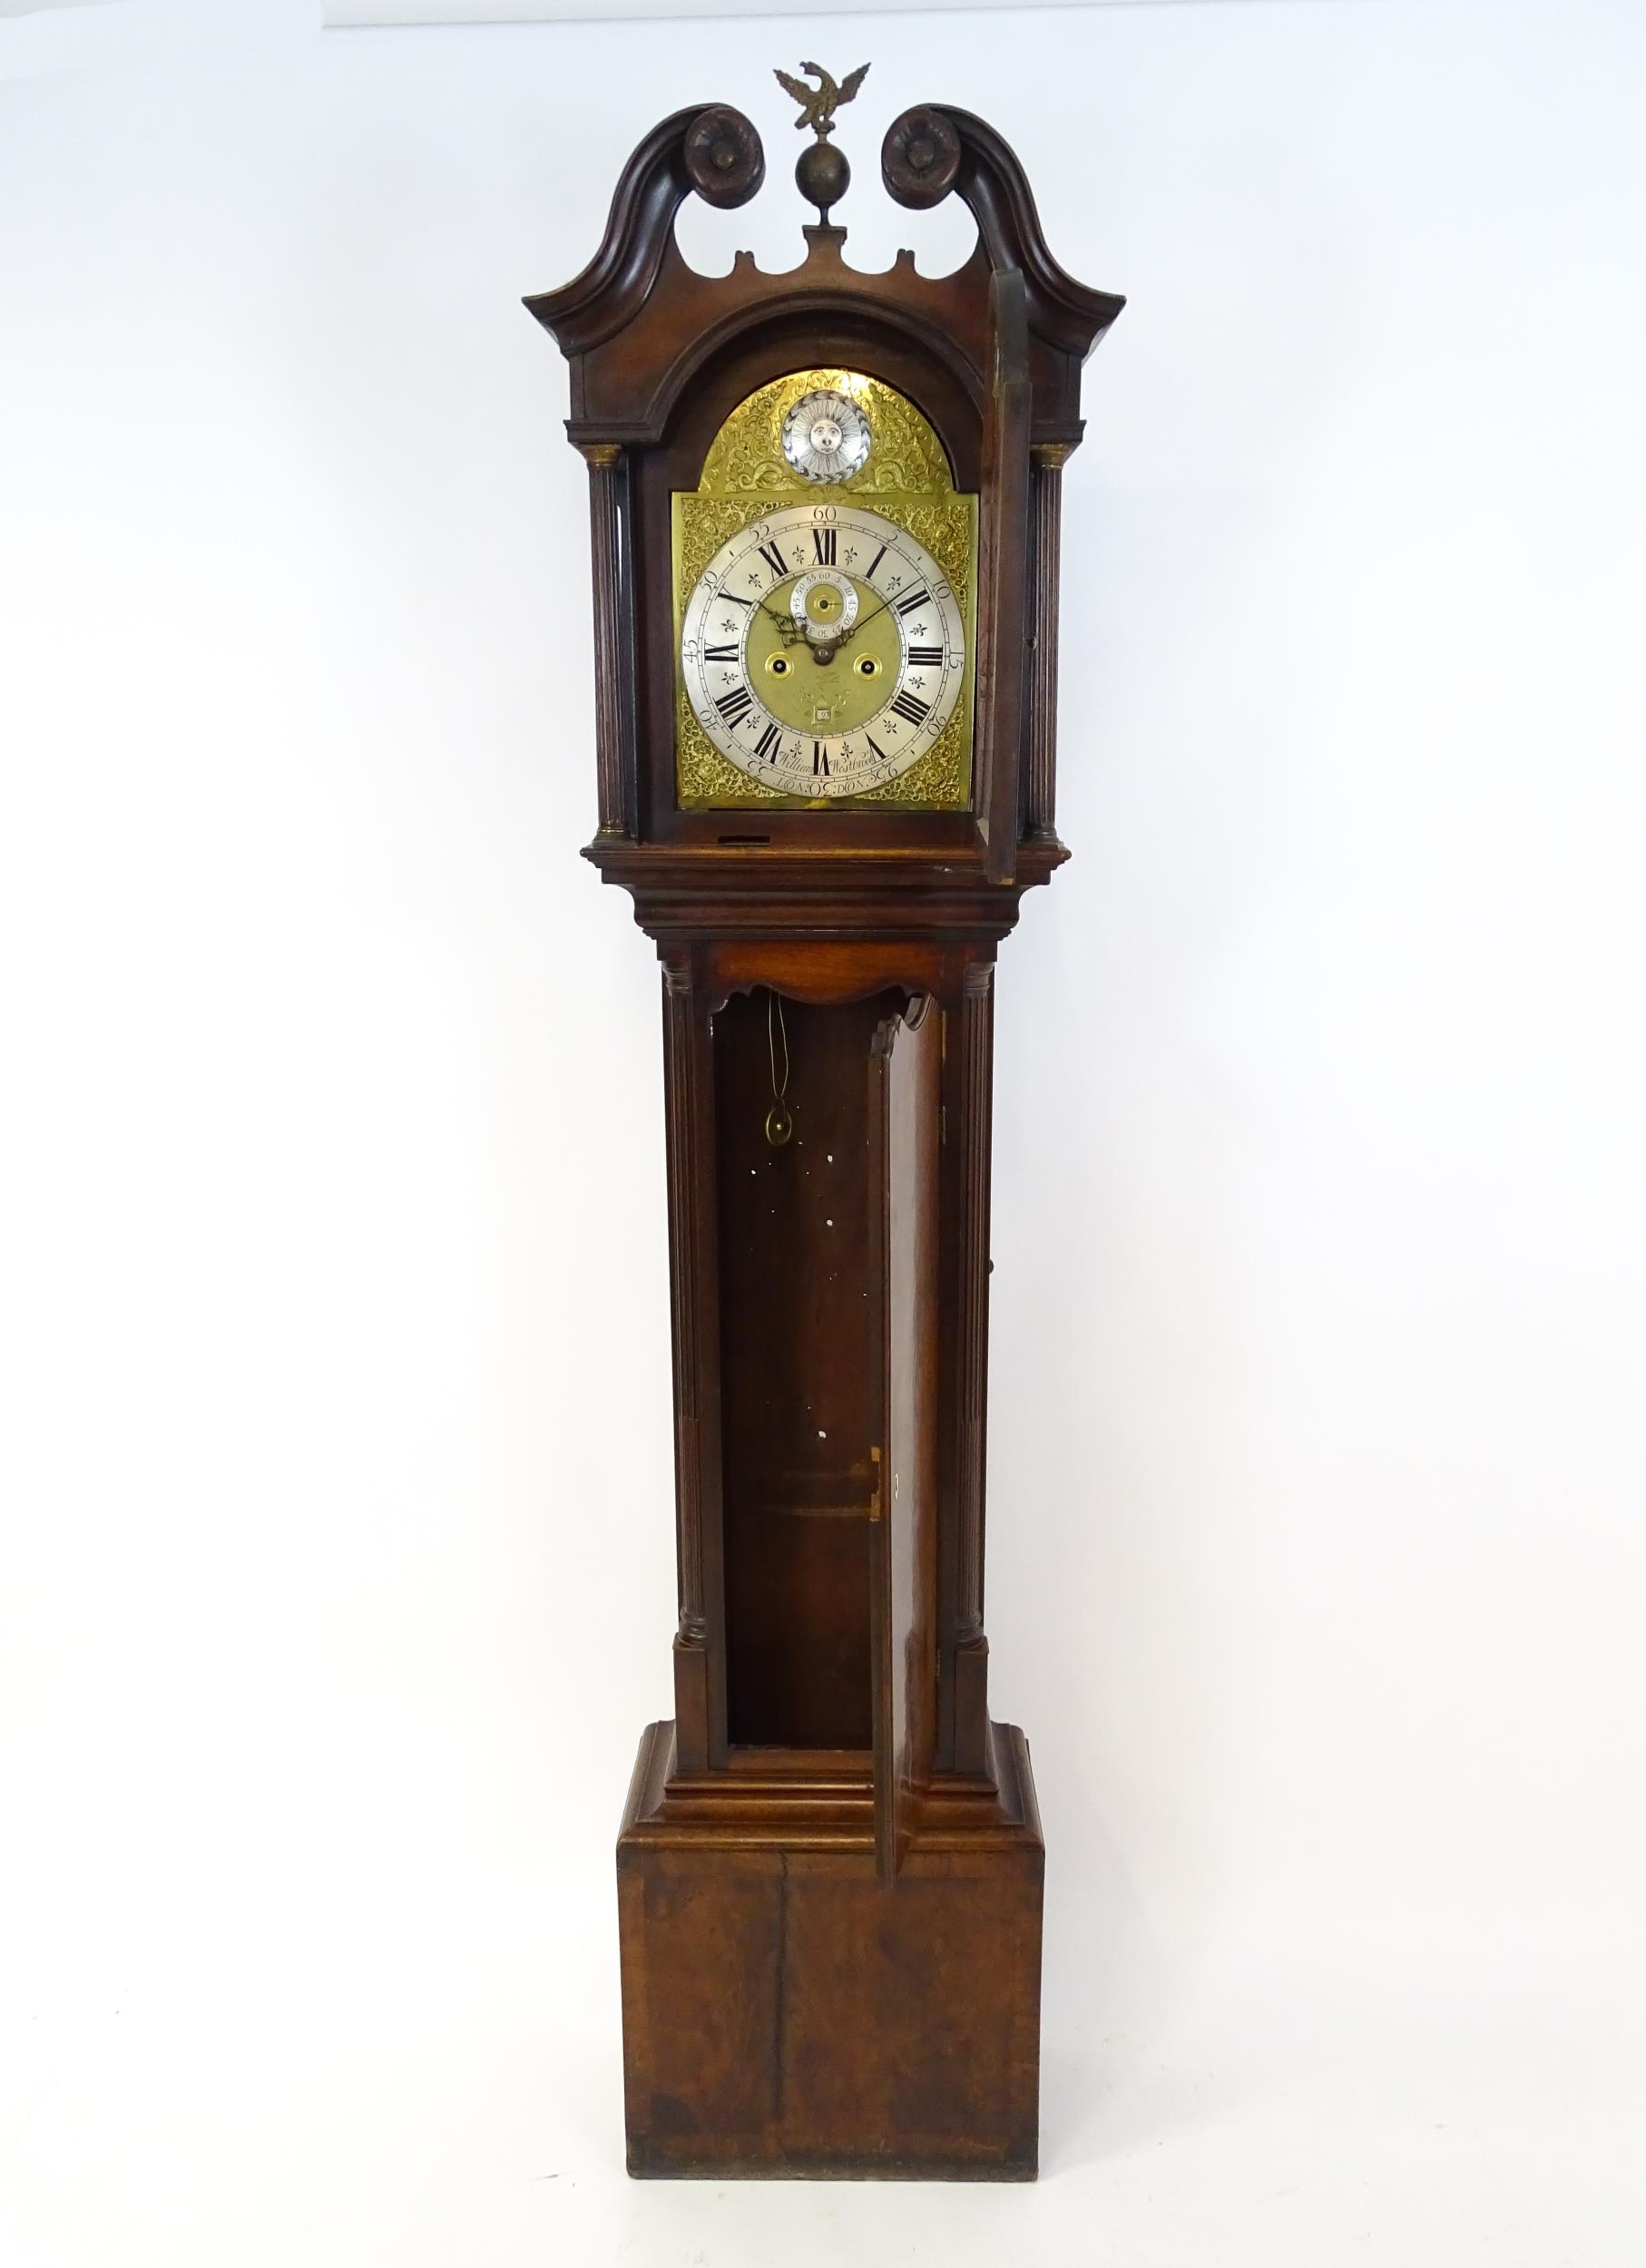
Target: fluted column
(975,1096)
(608,533)
(1041,817)
(691,1271)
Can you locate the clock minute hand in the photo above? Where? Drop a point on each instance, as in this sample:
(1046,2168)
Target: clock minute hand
(847,636)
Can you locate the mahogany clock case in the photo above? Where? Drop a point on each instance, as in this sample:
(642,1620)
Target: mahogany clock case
(830,1860)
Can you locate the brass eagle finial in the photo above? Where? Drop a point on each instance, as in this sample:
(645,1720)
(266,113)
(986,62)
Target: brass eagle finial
(820,104)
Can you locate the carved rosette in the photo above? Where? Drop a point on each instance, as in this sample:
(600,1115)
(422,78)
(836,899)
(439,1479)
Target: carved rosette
(920,158)
(722,156)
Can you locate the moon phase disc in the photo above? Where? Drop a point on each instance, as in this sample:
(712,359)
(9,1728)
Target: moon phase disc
(826,438)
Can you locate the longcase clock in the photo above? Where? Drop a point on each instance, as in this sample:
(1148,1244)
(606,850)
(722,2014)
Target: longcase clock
(825,510)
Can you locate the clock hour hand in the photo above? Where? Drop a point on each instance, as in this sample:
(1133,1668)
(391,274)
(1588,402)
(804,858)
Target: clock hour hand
(785,622)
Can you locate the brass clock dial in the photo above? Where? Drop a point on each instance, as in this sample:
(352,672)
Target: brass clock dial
(796,679)
(823,651)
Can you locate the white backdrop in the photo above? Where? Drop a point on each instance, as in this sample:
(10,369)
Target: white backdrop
(337,1502)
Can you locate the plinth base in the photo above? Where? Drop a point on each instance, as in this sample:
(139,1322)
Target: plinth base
(787,2013)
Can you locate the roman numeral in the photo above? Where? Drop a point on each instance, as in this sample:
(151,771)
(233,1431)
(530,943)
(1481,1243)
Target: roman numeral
(732,705)
(919,657)
(774,559)
(767,745)
(919,596)
(911,708)
(819,759)
(823,543)
(879,555)
(726,653)
(735,600)
(878,750)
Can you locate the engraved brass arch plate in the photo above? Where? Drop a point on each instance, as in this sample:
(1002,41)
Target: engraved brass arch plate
(906,479)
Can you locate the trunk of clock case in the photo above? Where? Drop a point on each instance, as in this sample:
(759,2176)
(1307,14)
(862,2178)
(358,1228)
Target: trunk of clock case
(766,1267)
(830,1867)
(831,1947)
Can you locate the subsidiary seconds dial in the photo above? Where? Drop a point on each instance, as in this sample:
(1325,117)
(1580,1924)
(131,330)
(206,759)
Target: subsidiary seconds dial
(823,651)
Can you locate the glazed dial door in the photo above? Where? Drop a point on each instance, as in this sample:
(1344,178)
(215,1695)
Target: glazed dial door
(823,651)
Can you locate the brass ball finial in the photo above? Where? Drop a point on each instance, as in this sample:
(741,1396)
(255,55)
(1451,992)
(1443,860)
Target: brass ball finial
(822,174)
